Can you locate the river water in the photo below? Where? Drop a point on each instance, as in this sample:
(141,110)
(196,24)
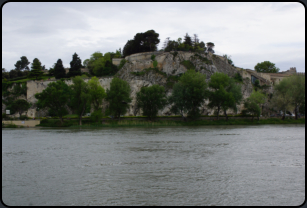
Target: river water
(208,165)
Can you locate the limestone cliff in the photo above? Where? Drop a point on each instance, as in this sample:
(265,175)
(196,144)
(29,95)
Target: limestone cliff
(137,73)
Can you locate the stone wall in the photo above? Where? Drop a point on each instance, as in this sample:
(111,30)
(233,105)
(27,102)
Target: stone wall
(116,61)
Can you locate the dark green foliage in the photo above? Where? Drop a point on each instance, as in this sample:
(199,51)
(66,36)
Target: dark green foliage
(189,93)
(21,106)
(75,66)
(153,57)
(55,97)
(225,93)
(188,64)
(97,93)
(151,100)
(203,59)
(59,71)
(118,97)
(251,108)
(155,63)
(80,97)
(22,64)
(187,40)
(238,78)
(142,42)
(210,47)
(96,115)
(266,67)
(257,85)
(36,71)
(252,104)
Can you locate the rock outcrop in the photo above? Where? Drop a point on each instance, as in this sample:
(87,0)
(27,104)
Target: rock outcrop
(138,72)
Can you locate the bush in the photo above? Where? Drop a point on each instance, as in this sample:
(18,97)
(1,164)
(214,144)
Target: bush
(96,115)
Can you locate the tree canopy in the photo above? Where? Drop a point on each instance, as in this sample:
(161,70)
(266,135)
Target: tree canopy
(79,96)
(22,64)
(142,42)
(101,65)
(36,69)
(75,66)
(266,67)
(59,71)
(151,100)
(55,97)
(118,97)
(225,93)
(96,92)
(189,93)
(21,105)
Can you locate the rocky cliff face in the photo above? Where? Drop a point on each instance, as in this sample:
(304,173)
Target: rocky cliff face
(170,65)
(173,64)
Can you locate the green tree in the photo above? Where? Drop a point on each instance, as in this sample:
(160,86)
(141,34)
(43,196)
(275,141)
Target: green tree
(234,94)
(266,67)
(219,96)
(97,93)
(22,64)
(189,94)
(252,104)
(142,42)
(21,106)
(36,71)
(289,93)
(55,97)
(118,97)
(210,47)
(187,40)
(59,71)
(151,100)
(296,87)
(75,66)
(80,97)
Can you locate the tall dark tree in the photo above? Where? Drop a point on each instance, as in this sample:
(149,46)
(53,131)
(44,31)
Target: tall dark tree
(36,69)
(187,40)
(22,64)
(59,71)
(210,47)
(195,40)
(75,66)
(142,42)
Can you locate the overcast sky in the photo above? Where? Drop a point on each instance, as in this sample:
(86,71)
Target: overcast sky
(249,32)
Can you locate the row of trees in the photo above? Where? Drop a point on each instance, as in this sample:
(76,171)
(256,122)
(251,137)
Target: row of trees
(187,97)
(188,44)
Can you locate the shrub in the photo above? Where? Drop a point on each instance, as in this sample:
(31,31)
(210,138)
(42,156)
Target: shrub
(188,64)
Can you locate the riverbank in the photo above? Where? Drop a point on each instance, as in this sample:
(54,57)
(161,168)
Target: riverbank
(160,122)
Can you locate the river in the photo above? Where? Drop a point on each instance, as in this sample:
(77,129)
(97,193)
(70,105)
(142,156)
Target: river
(208,165)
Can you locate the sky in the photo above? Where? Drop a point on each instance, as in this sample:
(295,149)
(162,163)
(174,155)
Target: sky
(249,33)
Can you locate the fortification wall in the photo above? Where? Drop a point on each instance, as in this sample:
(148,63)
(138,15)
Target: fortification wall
(116,61)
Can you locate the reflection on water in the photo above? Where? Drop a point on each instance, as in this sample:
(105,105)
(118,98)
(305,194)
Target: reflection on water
(210,165)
